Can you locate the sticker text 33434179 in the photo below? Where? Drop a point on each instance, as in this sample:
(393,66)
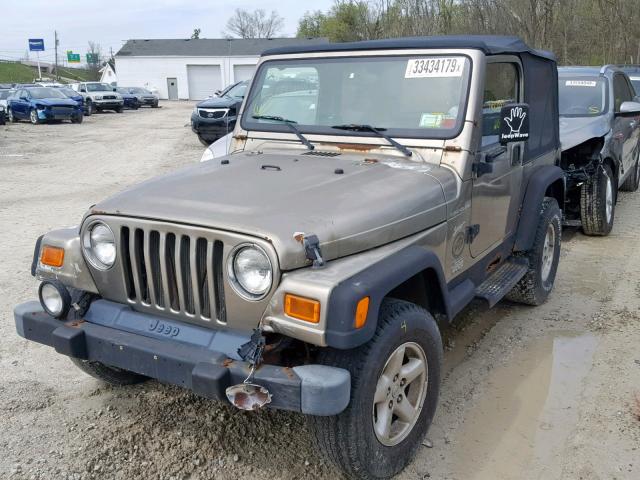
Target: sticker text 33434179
(434,67)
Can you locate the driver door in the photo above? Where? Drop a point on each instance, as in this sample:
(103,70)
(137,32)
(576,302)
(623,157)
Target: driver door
(498,176)
(625,127)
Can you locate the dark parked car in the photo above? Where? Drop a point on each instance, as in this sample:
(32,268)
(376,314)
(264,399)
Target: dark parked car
(41,104)
(215,117)
(599,132)
(130,100)
(87,107)
(144,96)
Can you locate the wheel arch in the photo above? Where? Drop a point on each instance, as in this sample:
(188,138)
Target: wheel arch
(547,181)
(413,274)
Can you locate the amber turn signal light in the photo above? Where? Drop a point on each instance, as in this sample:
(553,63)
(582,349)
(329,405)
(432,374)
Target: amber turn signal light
(362,309)
(52,256)
(302,308)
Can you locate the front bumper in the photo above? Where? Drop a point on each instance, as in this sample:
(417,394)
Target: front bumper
(189,356)
(55,114)
(212,129)
(107,104)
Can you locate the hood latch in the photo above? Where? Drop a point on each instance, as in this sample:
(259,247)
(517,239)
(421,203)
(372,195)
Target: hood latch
(311,245)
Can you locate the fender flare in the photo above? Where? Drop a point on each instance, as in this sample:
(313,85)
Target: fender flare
(376,281)
(541,179)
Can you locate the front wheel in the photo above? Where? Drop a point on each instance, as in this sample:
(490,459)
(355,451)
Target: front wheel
(204,141)
(77,118)
(111,375)
(119,110)
(598,203)
(88,109)
(395,382)
(12,118)
(33,116)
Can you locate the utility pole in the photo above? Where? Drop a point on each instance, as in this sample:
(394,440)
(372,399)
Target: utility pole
(55,43)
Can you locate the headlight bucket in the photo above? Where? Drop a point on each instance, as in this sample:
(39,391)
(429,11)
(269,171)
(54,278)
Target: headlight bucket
(99,245)
(250,271)
(54,298)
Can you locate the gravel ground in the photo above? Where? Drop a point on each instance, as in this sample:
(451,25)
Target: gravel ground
(529,393)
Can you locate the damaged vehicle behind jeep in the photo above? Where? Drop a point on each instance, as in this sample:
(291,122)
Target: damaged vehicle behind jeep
(312,269)
(599,132)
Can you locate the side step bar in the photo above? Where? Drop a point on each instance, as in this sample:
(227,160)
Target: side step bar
(494,288)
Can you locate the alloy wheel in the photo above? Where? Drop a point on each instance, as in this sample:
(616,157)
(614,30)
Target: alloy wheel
(548,251)
(400,393)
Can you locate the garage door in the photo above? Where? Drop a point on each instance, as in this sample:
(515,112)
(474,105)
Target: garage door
(204,80)
(243,72)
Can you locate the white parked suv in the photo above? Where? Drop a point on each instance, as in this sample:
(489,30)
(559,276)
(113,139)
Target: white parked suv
(99,96)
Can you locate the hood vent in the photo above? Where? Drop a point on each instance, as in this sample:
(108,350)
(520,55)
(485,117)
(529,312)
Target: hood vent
(322,154)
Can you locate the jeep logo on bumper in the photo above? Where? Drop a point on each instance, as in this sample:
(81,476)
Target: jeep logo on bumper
(157,326)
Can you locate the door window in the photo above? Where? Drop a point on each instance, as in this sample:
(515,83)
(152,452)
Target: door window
(501,88)
(621,91)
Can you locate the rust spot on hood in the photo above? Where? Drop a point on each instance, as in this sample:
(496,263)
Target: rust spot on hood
(358,147)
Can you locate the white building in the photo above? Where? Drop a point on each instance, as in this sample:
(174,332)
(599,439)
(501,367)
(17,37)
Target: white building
(108,74)
(193,69)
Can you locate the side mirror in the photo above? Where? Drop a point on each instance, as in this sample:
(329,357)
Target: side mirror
(217,93)
(514,123)
(26,99)
(630,108)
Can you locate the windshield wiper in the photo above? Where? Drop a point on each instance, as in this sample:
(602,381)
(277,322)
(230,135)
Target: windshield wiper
(377,131)
(290,124)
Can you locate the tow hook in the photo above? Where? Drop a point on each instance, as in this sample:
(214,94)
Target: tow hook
(248,395)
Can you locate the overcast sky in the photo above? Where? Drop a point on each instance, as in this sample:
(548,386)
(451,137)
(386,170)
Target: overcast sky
(109,22)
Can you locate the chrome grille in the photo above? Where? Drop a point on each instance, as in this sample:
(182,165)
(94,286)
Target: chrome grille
(174,272)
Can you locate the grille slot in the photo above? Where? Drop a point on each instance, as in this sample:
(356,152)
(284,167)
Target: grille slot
(174,272)
(322,154)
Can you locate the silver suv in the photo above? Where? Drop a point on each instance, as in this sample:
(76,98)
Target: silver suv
(99,96)
(312,269)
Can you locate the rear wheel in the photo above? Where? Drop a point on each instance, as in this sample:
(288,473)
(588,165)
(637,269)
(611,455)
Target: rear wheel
(632,182)
(395,381)
(110,375)
(543,257)
(598,203)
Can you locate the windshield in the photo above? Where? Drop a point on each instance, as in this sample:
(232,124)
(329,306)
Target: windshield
(46,92)
(582,96)
(122,90)
(407,96)
(4,94)
(99,87)
(237,91)
(69,92)
(138,90)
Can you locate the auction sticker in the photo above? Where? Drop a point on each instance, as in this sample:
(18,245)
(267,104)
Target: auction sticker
(580,83)
(434,67)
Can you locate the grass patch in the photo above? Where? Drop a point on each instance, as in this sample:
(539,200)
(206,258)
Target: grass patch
(16,73)
(79,74)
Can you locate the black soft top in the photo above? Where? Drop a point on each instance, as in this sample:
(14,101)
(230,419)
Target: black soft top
(489,44)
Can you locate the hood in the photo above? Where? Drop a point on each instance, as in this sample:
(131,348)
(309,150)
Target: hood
(575,130)
(273,196)
(219,102)
(50,102)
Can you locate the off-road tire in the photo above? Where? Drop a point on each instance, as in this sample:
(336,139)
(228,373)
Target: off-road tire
(593,203)
(348,439)
(111,375)
(632,182)
(533,289)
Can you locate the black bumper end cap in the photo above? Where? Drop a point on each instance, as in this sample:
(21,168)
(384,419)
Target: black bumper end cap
(70,341)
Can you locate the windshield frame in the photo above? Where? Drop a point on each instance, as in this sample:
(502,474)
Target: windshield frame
(595,77)
(429,134)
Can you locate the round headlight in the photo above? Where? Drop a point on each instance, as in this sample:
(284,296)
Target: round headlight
(54,298)
(100,245)
(250,272)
